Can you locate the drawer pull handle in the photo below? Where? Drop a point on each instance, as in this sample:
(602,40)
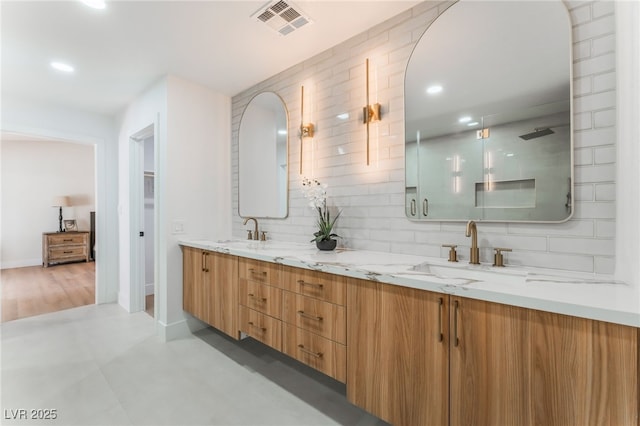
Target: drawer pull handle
(67,252)
(263,329)
(253,272)
(303,282)
(440,313)
(309,316)
(66,240)
(456,341)
(257,298)
(307,351)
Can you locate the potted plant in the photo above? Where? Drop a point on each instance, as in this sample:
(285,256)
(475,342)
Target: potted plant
(316,193)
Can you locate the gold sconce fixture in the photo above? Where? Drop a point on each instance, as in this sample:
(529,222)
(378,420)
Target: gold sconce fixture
(370,113)
(306,130)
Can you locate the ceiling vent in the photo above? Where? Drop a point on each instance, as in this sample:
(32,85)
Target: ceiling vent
(282,17)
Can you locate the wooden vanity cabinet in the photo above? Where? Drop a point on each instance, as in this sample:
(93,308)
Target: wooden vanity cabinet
(260,299)
(397,362)
(585,372)
(495,365)
(490,364)
(315,323)
(210,291)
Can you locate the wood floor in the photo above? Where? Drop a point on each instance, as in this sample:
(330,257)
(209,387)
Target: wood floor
(36,290)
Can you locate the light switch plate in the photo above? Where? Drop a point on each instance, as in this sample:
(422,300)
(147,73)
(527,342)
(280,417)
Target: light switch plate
(177,227)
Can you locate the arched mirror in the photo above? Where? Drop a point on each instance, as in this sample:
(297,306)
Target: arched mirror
(262,163)
(488,132)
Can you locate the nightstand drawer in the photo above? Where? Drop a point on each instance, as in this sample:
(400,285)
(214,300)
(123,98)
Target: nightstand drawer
(56,253)
(66,239)
(323,318)
(261,327)
(317,352)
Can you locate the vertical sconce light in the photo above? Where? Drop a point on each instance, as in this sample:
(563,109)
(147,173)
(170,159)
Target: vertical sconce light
(370,112)
(306,130)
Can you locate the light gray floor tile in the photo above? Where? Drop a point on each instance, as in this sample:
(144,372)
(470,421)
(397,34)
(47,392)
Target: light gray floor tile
(98,365)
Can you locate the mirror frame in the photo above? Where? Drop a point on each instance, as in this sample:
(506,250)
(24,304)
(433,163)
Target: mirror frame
(570,196)
(288,140)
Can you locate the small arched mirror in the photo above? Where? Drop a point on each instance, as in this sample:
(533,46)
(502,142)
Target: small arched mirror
(262,158)
(488,114)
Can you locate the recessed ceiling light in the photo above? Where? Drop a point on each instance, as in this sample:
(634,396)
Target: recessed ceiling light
(464,119)
(343,116)
(95,4)
(473,123)
(432,90)
(61,66)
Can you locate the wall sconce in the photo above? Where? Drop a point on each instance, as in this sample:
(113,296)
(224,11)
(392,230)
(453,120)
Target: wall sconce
(370,113)
(60,201)
(306,130)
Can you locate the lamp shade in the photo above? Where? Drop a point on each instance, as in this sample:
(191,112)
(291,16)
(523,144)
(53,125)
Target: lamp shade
(60,201)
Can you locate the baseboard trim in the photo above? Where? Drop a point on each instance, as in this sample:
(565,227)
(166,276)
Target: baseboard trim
(22,263)
(179,329)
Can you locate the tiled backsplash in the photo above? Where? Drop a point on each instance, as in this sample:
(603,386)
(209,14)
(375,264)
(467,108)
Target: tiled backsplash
(372,197)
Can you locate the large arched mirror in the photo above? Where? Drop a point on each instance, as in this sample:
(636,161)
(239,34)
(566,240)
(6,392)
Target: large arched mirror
(262,163)
(488,132)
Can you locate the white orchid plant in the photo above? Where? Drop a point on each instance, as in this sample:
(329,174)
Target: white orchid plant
(316,193)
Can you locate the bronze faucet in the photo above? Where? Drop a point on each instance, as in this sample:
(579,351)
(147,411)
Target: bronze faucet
(255,232)
(474,252)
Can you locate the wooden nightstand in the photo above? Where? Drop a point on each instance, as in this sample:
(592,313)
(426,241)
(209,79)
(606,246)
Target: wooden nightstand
(62,247)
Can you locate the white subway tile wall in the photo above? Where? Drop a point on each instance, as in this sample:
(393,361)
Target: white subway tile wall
(372,198)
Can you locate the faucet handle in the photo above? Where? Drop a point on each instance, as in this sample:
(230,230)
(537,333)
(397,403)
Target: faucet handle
(453,255)
(263,236)
(498,260)
(249,235)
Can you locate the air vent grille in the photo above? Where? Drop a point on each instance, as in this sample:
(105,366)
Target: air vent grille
(282,17)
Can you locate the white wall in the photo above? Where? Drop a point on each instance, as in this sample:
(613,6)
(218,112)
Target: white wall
(52,121)
(33,172)
(193,181)
(372,198)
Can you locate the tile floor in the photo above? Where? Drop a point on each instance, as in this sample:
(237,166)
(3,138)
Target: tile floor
(98,364)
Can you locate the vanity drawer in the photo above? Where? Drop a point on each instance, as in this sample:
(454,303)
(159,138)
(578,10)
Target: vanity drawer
(261,327)
(319,317)
(263,272)
(319,285)
(260,297)
(317,352)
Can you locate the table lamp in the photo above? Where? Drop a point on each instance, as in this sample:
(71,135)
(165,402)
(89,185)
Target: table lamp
(60,201)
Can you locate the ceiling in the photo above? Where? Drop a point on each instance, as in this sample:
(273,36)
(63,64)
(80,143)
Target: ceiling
(120,51)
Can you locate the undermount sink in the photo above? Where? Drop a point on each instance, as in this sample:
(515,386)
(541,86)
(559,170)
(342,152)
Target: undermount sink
(467,274)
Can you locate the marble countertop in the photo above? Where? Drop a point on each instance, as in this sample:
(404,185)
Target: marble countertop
(578,294)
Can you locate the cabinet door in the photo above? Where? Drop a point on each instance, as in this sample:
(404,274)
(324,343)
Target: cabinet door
(221,276)
(195,294)
(585,371)
(490,364)
(397,360)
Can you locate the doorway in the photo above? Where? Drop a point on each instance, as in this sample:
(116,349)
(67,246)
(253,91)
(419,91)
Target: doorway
(143,220)
(149,223)
(35,170)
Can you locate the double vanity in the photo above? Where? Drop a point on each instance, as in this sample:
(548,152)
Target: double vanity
(426,341)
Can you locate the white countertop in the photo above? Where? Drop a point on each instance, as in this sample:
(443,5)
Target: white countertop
(577,294)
